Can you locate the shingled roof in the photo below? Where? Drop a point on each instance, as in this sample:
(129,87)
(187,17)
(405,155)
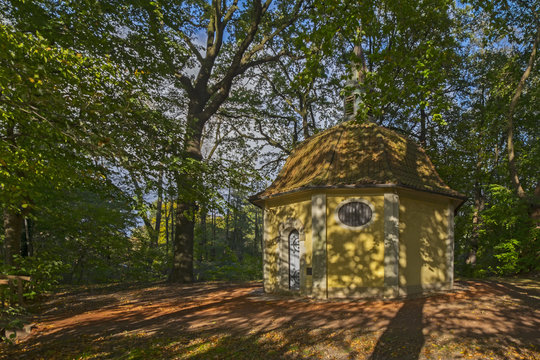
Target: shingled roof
(357,155)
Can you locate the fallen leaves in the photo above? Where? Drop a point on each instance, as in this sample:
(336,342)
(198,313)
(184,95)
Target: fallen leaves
(140,324)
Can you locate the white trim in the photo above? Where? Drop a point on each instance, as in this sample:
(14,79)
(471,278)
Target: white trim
(265,265)
(348,201)
(450,247)
(302,262)
(318,244)
(391,245)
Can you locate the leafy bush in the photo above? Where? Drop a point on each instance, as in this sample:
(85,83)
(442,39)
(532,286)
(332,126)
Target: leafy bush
(230,268)
(508,242)
(45,274)
(509,235)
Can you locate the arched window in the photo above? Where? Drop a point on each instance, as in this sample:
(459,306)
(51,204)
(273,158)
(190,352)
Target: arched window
(294,260)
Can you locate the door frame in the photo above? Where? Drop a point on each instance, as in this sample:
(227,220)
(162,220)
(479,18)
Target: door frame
(285,229)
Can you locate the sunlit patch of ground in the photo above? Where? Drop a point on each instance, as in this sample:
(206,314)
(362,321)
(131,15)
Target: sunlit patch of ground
(497,319)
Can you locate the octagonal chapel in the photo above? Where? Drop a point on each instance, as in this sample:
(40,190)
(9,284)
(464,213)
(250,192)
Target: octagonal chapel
(358,210)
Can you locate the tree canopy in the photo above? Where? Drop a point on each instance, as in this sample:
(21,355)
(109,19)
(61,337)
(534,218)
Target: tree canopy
(132,132)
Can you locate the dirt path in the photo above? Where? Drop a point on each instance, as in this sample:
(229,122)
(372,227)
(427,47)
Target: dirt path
(488,318)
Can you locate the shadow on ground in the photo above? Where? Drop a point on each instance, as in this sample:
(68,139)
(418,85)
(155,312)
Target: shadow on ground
(483,319)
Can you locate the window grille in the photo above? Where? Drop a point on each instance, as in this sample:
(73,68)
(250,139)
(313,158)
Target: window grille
(355,214)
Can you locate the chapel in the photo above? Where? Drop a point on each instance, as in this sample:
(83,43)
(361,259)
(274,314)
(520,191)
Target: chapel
(358,210)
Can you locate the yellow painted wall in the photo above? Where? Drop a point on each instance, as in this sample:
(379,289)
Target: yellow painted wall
(423,234)
(277,211)
(355,257)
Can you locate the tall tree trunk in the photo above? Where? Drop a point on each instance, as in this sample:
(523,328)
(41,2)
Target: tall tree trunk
(477,223)
(313,123)
(304,113)
(81,268)
(207,91)
(167,217)
(514,176)
(234,240)
(227,216)
(182,265)
(13,227)
(213,247)
(29,239)
(25,240)
(158,211)
(295,133)
(478,208)
(204,243)
(173,225)
(305,124)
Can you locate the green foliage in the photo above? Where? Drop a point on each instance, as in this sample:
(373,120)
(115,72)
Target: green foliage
(228,243)
(144,263)
(99,103)
(495,234)
(11,321)
(508,244)
(45,273)
(64,112)
(511,242)
(230,268)
(52,101)
(95,248)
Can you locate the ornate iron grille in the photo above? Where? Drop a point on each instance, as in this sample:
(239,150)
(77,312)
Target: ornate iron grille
(294,260)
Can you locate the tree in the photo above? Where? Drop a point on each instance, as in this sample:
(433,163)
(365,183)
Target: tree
(493,233)
(235,38)
(53,104)
(284,103)
(517,25)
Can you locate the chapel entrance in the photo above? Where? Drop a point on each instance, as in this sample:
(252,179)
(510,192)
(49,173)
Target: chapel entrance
(294,260)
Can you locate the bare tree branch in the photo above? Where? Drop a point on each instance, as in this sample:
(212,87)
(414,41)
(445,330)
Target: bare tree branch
(264,137)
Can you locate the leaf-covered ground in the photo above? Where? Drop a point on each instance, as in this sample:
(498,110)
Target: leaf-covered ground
(478,320)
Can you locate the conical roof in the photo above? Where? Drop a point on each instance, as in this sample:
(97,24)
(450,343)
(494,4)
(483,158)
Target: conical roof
(357,155)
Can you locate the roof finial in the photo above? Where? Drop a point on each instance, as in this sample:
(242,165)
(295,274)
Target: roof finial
(353,86)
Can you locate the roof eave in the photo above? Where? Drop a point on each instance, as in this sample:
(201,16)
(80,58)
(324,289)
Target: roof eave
(258,200)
